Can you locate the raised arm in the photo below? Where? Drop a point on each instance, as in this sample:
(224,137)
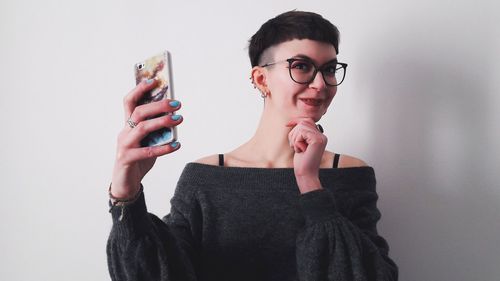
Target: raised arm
(140,245)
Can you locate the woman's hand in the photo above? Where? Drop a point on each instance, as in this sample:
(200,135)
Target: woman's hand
(309,145)
(133,161)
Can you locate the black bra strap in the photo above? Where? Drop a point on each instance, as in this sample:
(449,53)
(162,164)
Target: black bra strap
(221,159)
(336,160)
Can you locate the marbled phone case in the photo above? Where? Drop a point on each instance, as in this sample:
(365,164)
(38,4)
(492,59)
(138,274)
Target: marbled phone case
(158,67)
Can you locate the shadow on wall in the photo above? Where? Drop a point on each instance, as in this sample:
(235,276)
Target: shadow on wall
(436,167)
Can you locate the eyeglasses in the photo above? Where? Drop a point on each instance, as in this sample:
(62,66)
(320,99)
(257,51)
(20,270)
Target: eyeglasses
(304,71)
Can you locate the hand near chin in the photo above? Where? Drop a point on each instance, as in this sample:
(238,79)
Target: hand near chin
(309,145)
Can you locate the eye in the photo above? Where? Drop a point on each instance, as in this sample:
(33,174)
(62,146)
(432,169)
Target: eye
(331,69)
(303,66)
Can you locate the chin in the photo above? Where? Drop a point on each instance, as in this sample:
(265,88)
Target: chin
(315,116)
(315,113)
(316,119)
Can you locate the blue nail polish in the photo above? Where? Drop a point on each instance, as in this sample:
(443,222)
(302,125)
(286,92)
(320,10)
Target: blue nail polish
(175,144)
(149,81)
(175,117)
(174,103)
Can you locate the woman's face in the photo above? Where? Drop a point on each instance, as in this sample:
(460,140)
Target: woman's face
(289,99)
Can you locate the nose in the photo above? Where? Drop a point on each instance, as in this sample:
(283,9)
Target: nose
(318,82)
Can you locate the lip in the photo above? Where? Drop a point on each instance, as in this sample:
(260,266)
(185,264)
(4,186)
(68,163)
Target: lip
(312,101)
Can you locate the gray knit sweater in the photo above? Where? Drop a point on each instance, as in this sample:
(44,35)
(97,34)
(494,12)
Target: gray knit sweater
(238,224)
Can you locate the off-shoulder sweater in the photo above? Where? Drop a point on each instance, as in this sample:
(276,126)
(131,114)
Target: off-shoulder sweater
(237,224)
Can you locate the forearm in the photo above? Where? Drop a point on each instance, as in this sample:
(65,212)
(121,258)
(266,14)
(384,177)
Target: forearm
(308,183)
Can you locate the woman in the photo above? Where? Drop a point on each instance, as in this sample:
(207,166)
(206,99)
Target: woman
(279,207)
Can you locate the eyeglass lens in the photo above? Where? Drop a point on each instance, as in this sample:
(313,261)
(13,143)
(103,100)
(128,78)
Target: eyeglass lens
(302,71)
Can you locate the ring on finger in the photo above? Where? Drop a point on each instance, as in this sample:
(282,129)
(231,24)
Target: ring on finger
(131,123)
(320,128)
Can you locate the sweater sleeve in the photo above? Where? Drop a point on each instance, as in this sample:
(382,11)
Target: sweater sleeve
(143,247)
(334,247)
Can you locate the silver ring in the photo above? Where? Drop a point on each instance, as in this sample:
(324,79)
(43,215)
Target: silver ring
(131,123)
(319,127)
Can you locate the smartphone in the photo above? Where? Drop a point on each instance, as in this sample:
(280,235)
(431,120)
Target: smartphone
(157,67)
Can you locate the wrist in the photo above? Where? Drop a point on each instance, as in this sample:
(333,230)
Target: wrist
(118,195)
(125,184)
(122,202)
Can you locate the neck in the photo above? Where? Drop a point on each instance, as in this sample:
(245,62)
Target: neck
(269,147)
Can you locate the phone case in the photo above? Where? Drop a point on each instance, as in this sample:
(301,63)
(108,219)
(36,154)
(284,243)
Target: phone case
(158,67)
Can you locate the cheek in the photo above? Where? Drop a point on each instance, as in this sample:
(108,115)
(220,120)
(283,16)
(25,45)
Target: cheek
(334,91)
(284,89)
(331,95)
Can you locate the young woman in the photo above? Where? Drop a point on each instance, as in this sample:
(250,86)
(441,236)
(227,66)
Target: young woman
(279,207)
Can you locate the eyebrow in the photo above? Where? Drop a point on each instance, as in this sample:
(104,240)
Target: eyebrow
(301,56)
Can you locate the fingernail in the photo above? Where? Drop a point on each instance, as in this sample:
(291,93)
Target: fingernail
(175,144)
(176,117)
(174,103)
(149,81)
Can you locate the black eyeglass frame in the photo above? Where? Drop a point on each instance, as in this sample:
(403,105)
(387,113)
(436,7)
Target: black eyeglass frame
(316,69)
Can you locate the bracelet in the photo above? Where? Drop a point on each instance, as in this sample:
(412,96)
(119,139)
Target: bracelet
(122,202)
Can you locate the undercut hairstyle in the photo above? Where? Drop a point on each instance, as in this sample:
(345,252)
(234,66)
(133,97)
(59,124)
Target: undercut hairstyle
(288,26)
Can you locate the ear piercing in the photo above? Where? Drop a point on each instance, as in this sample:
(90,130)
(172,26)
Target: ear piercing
(253,82)
(263,94)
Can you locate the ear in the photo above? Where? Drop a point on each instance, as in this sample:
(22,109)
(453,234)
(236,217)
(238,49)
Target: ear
(258,77)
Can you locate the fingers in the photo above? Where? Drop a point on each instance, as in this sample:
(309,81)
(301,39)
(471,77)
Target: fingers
(131,99)
(135,135)
(137,154)
(300,137)
(146,117)
(299,146)
(303,134)
(145,111)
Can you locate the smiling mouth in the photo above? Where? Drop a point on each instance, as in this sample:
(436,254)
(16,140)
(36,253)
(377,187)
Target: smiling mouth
(312,102)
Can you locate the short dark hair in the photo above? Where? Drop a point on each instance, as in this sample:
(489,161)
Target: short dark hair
(288,26)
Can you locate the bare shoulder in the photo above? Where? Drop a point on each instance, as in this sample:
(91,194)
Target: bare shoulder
(348,161)
(209,160)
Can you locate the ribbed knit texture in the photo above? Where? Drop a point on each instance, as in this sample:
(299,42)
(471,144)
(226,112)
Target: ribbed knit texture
(240,224)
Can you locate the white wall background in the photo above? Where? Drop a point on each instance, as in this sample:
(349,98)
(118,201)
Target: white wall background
(420,104)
